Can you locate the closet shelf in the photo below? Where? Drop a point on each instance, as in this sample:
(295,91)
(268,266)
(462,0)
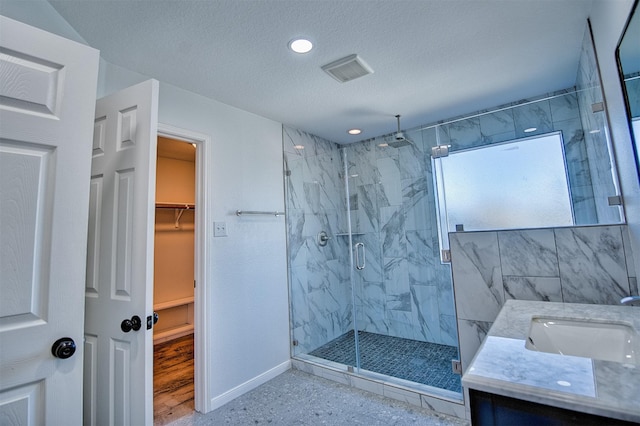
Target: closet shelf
(179,208)
(173,303)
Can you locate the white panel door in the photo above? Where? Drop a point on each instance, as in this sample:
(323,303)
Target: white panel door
(47,100)
(119,361)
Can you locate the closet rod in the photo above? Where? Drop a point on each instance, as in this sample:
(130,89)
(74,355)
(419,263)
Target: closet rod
(249,212)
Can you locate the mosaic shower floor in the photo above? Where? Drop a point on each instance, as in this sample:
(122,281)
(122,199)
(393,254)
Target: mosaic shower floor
(421,362)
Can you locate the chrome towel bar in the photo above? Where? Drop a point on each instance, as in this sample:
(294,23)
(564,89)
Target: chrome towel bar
(249,212)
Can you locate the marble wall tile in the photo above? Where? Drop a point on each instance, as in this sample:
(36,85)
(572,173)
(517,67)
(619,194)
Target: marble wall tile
(592,264)
(448,330)
(425,306)
(396,284)
(496,123)
(370,313)
(471,335)
(532,288)
(390,178)
(411,161)
(415,202)
(394,242)
(367,213)
(464,134)
(537,114)
(584,208)
(445,289)
(564,107)
(626,243)
(419,258)
(477,276)
(528,253)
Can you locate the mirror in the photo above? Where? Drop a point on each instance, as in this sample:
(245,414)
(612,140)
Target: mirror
(628,56)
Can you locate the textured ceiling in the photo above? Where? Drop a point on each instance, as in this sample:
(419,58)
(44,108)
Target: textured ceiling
(432,59)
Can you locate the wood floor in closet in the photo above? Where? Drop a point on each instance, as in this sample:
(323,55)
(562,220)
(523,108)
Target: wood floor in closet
(173,380)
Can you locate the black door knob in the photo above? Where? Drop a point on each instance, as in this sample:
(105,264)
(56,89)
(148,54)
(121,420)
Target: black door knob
(135,323)
(155,317)
(63,348)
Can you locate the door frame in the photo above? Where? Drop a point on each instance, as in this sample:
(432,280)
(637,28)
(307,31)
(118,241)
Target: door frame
(202,267)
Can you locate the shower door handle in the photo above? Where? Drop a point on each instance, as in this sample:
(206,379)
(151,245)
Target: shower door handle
(360,266)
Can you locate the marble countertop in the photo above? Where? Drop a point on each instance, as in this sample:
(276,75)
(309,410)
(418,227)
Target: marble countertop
(504,366)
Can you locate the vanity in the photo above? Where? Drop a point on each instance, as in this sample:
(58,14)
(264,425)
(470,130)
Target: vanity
(520,375)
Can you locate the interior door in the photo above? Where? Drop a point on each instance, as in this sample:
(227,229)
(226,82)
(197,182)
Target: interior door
(47,99)
(119,286)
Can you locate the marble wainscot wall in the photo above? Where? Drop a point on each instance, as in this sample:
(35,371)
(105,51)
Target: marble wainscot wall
(573,265)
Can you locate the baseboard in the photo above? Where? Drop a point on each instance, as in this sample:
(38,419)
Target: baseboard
(251,384)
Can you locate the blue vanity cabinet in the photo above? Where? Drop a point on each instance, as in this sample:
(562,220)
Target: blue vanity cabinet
(489,409)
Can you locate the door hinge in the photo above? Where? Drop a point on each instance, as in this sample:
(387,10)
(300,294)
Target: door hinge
(440,151)
(597,107)
(446,256)
(456,366)
(616,200)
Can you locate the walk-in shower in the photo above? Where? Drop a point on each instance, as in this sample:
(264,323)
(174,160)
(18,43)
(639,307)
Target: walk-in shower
(368,290)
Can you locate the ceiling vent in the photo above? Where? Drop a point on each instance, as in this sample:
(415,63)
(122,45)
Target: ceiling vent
(347,69)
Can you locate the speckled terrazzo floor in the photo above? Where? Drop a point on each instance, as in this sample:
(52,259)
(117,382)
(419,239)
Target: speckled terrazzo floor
(420,362)
(298,398)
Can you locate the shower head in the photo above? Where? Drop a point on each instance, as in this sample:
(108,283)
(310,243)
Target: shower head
(399,140)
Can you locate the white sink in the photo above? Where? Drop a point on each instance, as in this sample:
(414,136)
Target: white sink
(609,341)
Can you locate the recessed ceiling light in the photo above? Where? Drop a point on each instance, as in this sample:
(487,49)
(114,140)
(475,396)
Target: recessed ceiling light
(530,129)
(354,131)
(383,145)
(300,45)
(298,146)
(594,131)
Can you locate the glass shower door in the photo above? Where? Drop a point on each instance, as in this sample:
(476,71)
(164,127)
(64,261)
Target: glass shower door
(404,321)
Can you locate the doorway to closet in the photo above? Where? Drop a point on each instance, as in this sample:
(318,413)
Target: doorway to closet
(174,279)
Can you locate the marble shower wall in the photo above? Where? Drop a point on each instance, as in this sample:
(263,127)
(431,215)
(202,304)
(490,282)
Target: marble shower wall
(320,288)
(573,265)
(404,290)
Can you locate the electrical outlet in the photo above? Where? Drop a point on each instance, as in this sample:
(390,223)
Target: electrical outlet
(219,229)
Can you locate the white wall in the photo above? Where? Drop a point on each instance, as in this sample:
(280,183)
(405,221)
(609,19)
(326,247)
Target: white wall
(248,295)
(608,19)
(248,292)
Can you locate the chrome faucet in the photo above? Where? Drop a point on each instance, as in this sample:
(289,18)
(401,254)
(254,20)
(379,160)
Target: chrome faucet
(630,300)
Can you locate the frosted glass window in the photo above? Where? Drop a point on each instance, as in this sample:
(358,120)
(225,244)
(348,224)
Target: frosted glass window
(517,184)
